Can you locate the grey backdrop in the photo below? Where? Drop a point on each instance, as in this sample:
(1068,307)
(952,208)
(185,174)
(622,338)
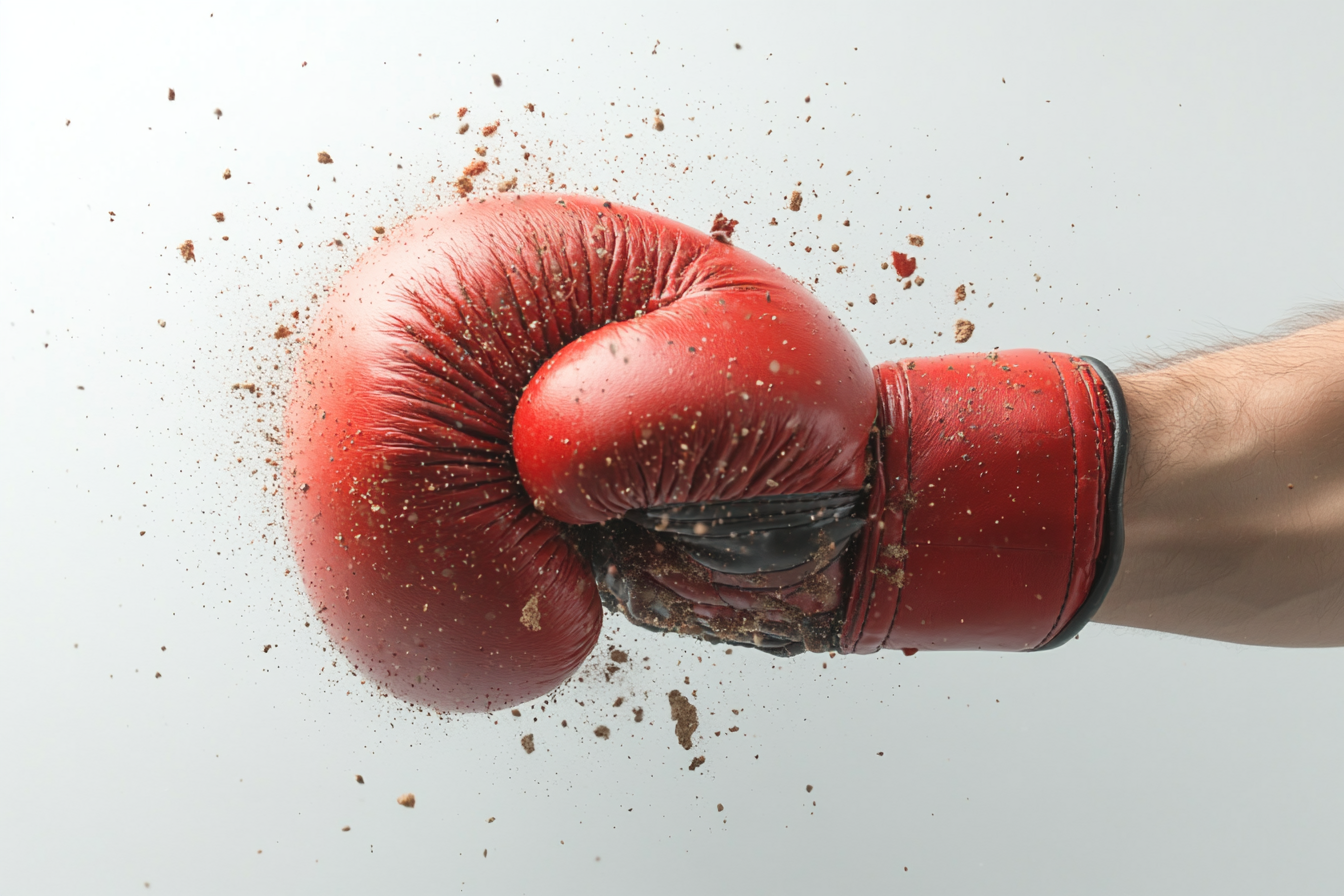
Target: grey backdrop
(1171,174)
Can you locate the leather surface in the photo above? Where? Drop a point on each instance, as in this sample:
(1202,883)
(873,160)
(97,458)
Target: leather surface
(985,531)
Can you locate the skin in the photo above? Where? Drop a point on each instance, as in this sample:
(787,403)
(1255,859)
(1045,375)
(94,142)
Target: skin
(1234,498)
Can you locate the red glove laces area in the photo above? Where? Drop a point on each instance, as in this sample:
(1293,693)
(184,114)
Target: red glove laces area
(512,411)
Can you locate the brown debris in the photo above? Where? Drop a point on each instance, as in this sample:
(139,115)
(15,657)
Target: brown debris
(489,129)
(505,186)
(499,82)
(407,800)
(324,158)
(227,174)
(172,94)
(359,779)
(528,744)
(915,239)
(795,201)
(619,656)
(462,112)
(219,113)
(722,228)
(639,714)
(697,762)
(477,166)
(464,185)
(464,128)
(531,617)
(872,299)
(188,250)
(964,330)
(283,332)
(686,717)
(619,701)
(515,713)
(657,123)
(960,295)
(919,281)
(602,731)
(481,151)
(379,229)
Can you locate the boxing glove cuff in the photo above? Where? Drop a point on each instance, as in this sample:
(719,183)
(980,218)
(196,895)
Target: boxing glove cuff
(994,519)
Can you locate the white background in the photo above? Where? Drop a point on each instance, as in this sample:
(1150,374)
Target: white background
(1173,175)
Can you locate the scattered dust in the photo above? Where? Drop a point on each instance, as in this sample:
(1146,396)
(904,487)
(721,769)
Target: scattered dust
(379,229)
(964,330)
(696,762)
(915,239)
(602,731)
(324,158)
(795,201)
(960,295)
(619,656)
(407,800)
(464,185)
(505,186)
(476,167)
(489,129)
(219,216)
(481,151)
(283,332)
(722,228)
(188,250)
(686,717)
(462,112)
(531,617)
(619,701)
(528,744)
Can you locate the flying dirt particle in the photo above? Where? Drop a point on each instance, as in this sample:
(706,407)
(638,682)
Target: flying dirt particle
(172,94)
(346,828)
(464,185)
(795,201)
(283,332)
(505,186)
(219,113)
(809,788)
(324,158)
(696,763)
(489,129)
(464,128)
(359,779)
(227,174)
(807,99)
(1038,277)
(720,807)
(219,216)
(531,617)
(907,284)
(531,107)
(872,299)
(433,115)
(602,731)
(619,656)
(515,713)
(919,281)
(639,714)
(188,250)
(722,228)
(904,264)
(773,223)
(476,167)
(686,717)
(481,151)
(964,330)
(528,744)
(628,136)
(915,239)
(499,82)
(835,247)
(407,800)
(162,322)
(619,701)
(657,123)
(462,112)
(379,229)
(960,295)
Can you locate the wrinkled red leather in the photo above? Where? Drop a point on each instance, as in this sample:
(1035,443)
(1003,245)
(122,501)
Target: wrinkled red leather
(744,386)
(418,544)
(985,520)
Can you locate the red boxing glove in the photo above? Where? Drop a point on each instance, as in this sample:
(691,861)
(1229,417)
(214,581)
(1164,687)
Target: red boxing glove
(705,436)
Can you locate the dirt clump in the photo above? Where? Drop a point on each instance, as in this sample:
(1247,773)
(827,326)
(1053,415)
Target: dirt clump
(505,186)
(915,239)
(219,216)
(619,656)
(528,744)
(904,264)
(639,714)
(686,717)
(407,800)
(602,731)
(531,617)
(795,201)
(324,158)
(964,330)
(187,250)
(477,166)
(464,185)
(283,332)
(696,763)
(960,295)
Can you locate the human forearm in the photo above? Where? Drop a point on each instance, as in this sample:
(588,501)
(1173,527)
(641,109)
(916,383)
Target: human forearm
(1234,504)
